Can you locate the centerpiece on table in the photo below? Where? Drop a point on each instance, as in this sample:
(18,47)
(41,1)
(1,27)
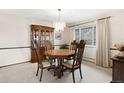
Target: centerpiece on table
(64,46)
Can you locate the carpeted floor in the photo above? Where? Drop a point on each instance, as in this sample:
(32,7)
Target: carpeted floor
(26,73)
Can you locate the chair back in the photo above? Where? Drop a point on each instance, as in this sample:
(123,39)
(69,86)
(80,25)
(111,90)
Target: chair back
(49,45)
(79,53)
(38,57)
(73,45)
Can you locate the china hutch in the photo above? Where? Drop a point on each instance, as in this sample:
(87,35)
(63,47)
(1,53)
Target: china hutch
(39,35)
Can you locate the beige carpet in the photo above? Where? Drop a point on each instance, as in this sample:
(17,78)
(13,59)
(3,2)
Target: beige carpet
(26,73)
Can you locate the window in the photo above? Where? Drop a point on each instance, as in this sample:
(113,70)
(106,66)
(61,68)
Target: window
(77,35)
(86,33)
(89,35)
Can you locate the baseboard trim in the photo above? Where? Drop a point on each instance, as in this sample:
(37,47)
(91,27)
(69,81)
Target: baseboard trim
(15,64)
(89,59)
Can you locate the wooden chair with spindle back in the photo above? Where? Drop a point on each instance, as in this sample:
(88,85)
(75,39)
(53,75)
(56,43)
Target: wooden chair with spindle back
(40,64)
(49,46)
(73,46)
(76,64)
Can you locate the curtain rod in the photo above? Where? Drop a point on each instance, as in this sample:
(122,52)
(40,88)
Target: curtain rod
(104,18)
(89,21)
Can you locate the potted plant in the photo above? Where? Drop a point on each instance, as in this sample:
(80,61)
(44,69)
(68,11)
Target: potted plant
(64,46)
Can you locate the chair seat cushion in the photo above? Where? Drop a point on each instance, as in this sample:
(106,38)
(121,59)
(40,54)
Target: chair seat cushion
(46,63)
(69,58)
(69,65)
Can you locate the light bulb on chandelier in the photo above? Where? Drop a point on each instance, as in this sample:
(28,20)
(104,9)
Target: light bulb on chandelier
(59,25)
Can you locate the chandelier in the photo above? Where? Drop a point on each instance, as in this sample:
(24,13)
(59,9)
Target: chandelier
(59,25)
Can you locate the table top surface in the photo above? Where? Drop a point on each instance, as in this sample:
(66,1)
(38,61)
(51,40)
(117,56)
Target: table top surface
(60,53)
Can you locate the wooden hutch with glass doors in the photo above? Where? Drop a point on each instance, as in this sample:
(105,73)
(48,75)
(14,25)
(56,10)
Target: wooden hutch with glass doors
(39,35)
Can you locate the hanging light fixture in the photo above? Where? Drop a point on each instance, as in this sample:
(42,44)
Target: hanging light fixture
(59,25)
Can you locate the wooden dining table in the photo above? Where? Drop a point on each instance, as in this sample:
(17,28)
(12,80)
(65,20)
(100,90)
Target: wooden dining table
(60,54)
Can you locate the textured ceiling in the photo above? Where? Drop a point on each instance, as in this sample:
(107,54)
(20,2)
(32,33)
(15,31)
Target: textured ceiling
(68,15)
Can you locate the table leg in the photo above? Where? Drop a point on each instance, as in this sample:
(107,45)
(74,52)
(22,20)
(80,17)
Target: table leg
(51,64)
(60,67)
(57,68)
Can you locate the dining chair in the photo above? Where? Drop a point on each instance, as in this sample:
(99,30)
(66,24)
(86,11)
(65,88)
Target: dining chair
(40,64)
(76,63)
(49,46)
(73,46)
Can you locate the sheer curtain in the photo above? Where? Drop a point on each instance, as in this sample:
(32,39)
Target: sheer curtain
(102,46)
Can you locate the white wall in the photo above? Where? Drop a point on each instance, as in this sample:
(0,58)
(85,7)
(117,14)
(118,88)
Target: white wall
(66,36)
(117,28)
(15,32)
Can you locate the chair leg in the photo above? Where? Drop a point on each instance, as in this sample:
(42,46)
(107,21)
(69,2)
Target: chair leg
(41,74)
(51,60)
(62,70)
(73,76)
(54,60)
(37,71)
(80,72)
